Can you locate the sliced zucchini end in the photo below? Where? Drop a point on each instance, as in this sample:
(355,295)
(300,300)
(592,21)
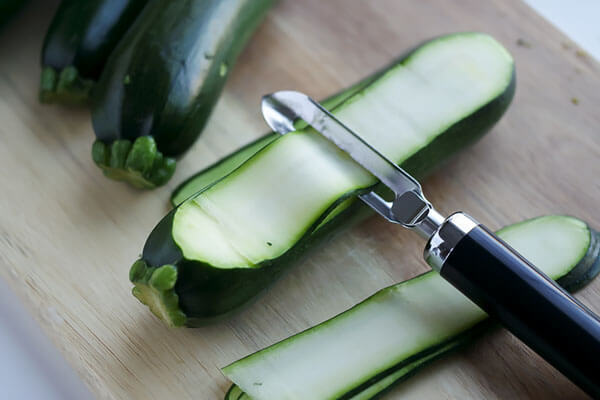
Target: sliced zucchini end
(155,287)
(139,163)
(587,269)
(65,86)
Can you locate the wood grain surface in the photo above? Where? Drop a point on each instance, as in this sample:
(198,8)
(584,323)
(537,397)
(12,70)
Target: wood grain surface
(68,235)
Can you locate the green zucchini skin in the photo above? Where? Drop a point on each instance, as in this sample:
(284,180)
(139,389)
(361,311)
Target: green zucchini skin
(80,38)
(167,73)
(205,294)
(577,276)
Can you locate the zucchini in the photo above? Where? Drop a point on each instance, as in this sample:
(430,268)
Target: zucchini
(221,247)
(363,351)
(162,81)
(80,38)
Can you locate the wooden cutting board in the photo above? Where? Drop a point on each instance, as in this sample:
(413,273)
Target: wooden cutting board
(68,235)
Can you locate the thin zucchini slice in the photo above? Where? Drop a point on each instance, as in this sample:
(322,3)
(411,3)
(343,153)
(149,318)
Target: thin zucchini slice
(227,243)
(364,350)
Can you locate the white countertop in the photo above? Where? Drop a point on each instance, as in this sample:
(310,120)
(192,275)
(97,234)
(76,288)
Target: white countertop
(578,19)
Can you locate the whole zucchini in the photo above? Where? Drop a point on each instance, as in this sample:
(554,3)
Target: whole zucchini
(80,38)
(225,244)
(387,337)
(162,81)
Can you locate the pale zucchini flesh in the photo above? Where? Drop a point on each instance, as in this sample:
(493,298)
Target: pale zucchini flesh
(367,348)
(227,164)
(218,170)
(265,206)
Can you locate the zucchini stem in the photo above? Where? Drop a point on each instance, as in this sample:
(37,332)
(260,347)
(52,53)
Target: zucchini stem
(155,287)
(138,163)
(65,86)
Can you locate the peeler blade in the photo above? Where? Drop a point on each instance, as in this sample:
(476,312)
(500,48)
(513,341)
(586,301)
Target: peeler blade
(282,109)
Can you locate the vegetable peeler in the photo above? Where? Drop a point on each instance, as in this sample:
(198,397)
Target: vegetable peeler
(467,254)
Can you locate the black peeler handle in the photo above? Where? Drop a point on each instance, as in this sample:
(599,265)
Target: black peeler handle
(514,292)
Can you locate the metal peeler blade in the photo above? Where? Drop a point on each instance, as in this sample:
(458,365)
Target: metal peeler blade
(409,206)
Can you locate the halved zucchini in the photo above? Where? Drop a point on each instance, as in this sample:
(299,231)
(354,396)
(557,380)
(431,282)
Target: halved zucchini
(227,243)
